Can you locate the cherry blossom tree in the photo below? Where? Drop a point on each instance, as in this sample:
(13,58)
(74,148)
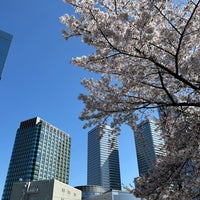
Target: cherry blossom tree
(147,55)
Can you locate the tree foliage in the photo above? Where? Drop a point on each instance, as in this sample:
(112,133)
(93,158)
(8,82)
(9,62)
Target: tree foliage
(147,53)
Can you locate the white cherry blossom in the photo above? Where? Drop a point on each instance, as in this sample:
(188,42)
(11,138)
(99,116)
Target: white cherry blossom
(147,53)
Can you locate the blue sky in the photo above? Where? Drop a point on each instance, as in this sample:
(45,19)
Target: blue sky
(38,80)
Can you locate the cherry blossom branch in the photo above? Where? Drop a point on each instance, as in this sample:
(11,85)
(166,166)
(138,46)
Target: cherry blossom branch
(165,17)
(175,75)
(181,37)
(164,88)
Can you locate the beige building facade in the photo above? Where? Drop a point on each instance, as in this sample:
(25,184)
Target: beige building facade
(44,190)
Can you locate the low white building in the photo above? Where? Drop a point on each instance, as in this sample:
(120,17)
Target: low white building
(44,190)
(115,195)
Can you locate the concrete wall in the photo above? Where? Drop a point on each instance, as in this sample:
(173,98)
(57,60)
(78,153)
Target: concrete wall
(65,192)
(44,190)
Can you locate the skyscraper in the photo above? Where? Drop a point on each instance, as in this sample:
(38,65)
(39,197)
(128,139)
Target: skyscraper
(5,40)
(41,152)
(148,142)
(103,158)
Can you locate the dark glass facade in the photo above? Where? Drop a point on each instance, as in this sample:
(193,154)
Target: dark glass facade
(103,159)
(40,152)
(148,142)
(5,41)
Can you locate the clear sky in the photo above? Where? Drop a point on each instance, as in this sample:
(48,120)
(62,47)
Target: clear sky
(38,80)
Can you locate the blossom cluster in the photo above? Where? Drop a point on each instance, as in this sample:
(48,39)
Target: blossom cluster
(147,53)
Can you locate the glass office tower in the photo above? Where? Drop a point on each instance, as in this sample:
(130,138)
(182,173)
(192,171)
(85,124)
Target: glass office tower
(5,41)
(148,142)
(41,152)
(103,158)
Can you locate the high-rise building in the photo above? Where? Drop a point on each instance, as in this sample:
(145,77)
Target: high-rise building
(148,142)
(103,158)
(5,41)
(41,152)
